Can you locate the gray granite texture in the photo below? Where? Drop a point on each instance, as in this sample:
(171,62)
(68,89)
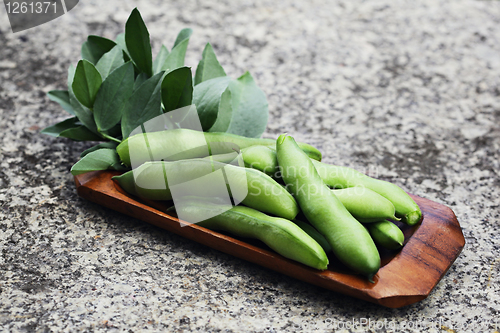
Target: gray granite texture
(407,91)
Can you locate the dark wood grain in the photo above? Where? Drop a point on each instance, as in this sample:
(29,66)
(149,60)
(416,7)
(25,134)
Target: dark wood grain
(407,276)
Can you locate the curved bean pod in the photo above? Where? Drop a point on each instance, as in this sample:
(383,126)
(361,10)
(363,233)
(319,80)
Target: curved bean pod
(342,177)
(386,234)
(309,229)
(349,239)
(177,144)
(257,157)
(248,186)
(366,205)
(281,235)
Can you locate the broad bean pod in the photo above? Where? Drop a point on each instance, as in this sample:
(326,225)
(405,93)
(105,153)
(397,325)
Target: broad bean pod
(281,235)
(349,239)
(366,205)
(315,234)
(386,234)
(154,180)
(343,177)
(178,144)
(257,157)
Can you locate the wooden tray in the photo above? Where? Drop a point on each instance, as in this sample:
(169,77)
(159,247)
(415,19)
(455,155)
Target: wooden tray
(407,276)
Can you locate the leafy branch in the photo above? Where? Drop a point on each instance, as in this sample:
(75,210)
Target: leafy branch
(117,86)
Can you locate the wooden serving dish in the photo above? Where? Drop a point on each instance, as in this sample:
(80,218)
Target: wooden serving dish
(406,276)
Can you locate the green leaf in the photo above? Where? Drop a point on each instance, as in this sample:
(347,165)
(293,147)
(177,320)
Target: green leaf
(160,59)
(71,128)
(107,144)
(95,47)
(110,61)
(80,133)
(112,97)
(56,129)
(83,113)
(177,89)
(115,132)
(101,159)
(182,35)
(206,97)
(120,41)
(208,67)
(86,83)
(176,57)
(140,79)
(61,97)
(225,113)
(71,76)
(138,43)
(250,110)
(144,104)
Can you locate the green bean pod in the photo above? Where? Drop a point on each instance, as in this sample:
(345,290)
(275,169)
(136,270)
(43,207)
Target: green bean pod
(343,177)
(281,235)
(257,157)
(366,205)
(309,229)
(386,234)
(154,180)
(349,239)
(178,144)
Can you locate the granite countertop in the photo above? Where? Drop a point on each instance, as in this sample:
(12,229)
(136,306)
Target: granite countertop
(406,91)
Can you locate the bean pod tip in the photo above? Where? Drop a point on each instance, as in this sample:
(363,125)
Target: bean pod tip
(413,218)
(281,138)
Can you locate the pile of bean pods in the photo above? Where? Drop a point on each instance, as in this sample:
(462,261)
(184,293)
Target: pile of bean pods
(342,211)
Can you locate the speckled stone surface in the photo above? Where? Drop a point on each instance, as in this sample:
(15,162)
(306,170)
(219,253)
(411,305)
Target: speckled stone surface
(406,91)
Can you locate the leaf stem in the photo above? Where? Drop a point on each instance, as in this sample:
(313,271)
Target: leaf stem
(110,137)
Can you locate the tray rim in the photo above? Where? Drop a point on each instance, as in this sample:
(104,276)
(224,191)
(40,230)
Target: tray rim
(415,288)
